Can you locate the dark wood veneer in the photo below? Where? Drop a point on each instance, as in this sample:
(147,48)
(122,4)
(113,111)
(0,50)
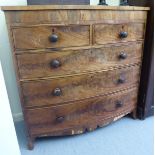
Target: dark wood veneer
(78,67)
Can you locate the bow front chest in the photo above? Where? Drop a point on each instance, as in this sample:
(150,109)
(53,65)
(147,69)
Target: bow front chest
(77,67)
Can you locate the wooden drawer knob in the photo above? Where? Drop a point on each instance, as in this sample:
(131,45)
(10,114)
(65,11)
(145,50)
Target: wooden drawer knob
(121,80)
(119,104)
(57,92)
(55,63)
(53,38)
(122,55)
(60,119)
(123,34)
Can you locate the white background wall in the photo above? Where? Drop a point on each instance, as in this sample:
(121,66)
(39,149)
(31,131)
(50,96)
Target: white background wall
(6,59)
(8,138)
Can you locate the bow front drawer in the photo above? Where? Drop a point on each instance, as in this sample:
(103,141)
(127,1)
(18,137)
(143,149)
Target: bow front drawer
(50,63)
(113,33)
(81,114)
(50,36)
(65,89)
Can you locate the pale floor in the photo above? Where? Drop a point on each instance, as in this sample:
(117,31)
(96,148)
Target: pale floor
(124,137)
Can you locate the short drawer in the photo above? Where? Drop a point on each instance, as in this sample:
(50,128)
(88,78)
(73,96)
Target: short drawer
(48,64)
(61,90)
(50,36)
(113,33)
(64,119)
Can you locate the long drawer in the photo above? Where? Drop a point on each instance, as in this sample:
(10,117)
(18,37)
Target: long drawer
(113,33)
(85,113)
(60,90)
(50,36)
(45,64)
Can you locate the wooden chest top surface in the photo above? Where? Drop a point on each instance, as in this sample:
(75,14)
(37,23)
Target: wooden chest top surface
(68,7)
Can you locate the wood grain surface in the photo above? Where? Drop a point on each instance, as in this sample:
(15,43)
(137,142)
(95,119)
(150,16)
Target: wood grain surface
(91,86)
(28,18)
(109,33)
(80,114)
(76,7)
(40,93)
(36,65)
(38,37)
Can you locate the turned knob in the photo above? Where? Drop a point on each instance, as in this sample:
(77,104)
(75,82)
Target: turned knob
(53,38)
(121,80)
(57,92)
(123,34)
(55,63)
(122,55)
(119,104)
(60,119)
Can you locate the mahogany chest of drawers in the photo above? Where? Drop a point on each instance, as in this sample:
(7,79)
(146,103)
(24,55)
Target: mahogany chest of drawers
(78,67)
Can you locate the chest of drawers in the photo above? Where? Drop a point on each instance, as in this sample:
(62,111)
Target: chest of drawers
(78,67)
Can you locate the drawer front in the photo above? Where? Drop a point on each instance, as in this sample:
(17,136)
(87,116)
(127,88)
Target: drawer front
(50,36)
(65,89)
(75,61)
(113,33)
(81,113)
